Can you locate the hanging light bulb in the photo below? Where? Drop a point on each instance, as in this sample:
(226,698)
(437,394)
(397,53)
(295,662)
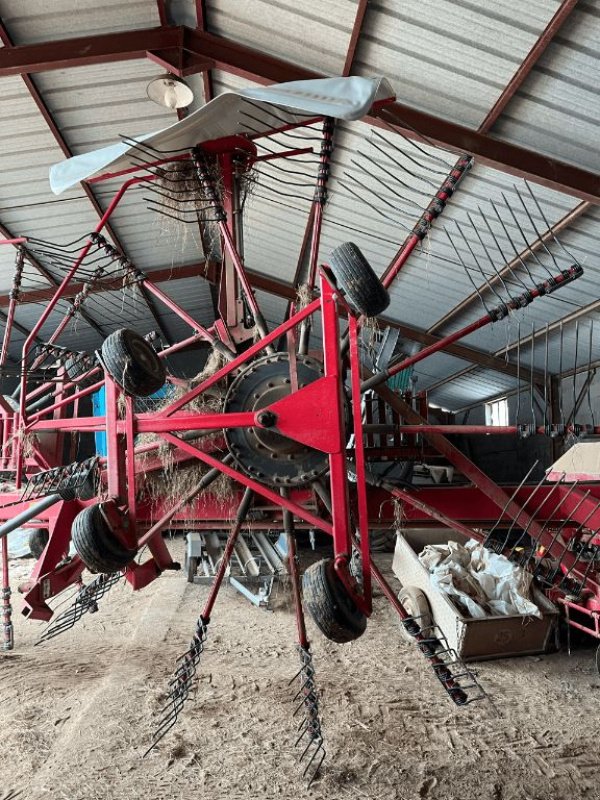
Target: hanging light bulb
(170,92)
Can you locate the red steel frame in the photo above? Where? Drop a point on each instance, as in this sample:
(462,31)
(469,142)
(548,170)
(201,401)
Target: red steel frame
(323,399)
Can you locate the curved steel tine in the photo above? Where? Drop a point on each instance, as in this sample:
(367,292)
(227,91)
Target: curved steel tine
(539,235)
(573,421)
(532,516)
(518,411)
(589,374)
(518,255)
(476,260)
(510,499)
(546,383)
(561,413)
(503,257)
(524,237)
(523,509)
(401,166)
(466,269)
(182,682)
(532,386)
(547,223)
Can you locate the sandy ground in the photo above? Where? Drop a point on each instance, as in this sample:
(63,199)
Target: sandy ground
(76,712)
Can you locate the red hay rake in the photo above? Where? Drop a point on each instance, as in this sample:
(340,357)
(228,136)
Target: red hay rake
(291,401)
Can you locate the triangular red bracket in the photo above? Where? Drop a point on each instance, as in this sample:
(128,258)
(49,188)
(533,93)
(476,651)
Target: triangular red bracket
(311,416)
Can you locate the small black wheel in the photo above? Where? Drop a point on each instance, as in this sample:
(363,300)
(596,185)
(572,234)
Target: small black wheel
(96,544)
(38,539)
(332,609)
(598,660)
(357,280)
(133,363)
(417,605)
(76,366)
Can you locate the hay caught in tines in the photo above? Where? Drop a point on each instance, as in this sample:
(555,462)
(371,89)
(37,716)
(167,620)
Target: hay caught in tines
(176,479)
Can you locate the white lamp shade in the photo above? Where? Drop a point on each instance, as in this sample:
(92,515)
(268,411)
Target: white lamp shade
(170,91)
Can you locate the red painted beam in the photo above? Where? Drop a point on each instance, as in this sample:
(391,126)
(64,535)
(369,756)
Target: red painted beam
(257,66)
(85,50)
(359,19)
(156,276)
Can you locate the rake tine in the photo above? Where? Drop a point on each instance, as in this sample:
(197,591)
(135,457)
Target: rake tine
(412,159)
(86,600)
(560,369)
(511,499)
(383,183)
(512,243)
(487,253)
(282,133)
(273,109)
(518,411)
(546,383)
(595,549)
(373,207)
(535,228)
(393,176)
(532,517)
(575,372)
(502,256)
(523,508)
(531,383)
(589,373)
(302,173)
(575,533)
(397,163)
(458,255)
(548,225)
(524,237)
(132,142)
(433,156)
(490,285)
(182,682)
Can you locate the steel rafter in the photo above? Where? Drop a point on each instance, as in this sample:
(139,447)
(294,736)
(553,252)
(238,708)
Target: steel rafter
(200,270)
(250,63)
(560,17)
(479,357)
(38,100)
(359,18)
(201,24)
(62,143)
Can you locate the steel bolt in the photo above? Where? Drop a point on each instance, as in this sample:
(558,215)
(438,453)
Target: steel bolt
(266,418)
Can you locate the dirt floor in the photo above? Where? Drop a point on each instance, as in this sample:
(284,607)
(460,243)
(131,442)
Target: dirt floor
(76,712)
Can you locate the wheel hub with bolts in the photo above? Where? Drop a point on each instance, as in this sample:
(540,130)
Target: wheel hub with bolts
(262,452)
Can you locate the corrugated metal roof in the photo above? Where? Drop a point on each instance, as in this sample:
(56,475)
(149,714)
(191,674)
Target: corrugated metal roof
(556,111)
(449,57)
(325,28)
(40,21)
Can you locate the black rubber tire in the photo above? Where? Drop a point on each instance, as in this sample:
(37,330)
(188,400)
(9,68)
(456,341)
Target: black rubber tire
(76,367)
(38,539)
(417,605)
(96,544)
(133,363)
(332,609)
(357,280)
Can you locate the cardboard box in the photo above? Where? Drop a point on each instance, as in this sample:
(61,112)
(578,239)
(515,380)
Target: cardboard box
(473,639)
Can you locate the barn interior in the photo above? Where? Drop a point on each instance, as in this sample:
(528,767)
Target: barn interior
(299,404)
